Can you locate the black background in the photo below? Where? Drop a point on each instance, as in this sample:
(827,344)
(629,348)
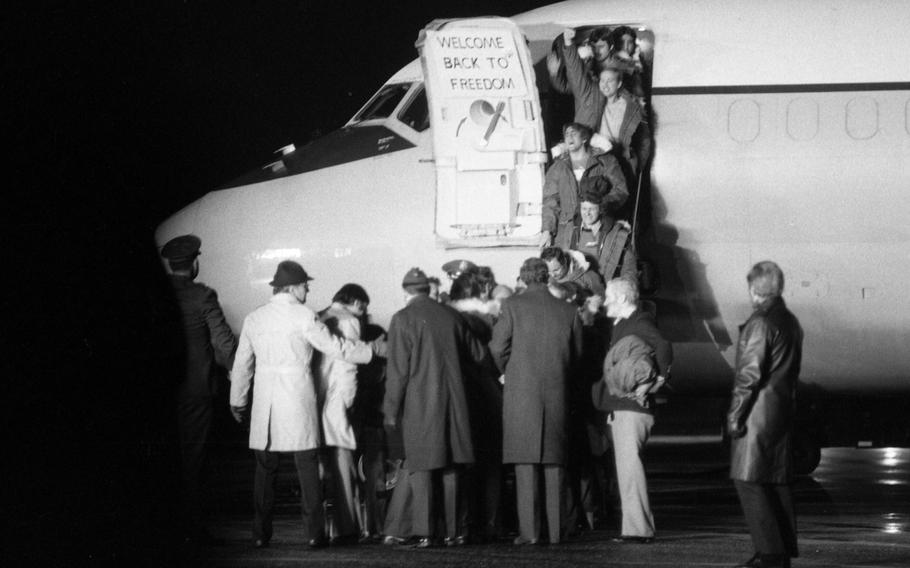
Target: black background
(117,114)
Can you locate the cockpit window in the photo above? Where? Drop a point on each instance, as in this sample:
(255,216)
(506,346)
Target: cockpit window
(416,114)
(383,103)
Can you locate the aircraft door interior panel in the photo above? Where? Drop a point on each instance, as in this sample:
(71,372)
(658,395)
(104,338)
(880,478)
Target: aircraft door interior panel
(488,142)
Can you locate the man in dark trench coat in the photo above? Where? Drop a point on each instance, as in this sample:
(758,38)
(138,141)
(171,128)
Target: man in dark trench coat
(429,348)
(760,419)
(537,343)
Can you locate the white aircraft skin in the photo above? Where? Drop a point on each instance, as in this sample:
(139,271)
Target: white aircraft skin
(782,132)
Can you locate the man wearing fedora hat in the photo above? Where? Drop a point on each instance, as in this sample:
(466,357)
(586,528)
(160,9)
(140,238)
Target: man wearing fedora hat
(429,345)
(208,343)
(276,348)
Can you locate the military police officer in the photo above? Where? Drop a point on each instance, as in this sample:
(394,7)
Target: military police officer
(209,343)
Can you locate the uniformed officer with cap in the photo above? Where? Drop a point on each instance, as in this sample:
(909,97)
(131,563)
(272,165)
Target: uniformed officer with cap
(209,343)
(454,268)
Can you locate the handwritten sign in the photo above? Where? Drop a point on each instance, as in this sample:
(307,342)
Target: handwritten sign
(475,62)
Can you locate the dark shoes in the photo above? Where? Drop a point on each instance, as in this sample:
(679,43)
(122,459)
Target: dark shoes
(392,540)
(202,537)
(634,539)
(766,561)
(315,543)
(459,540)
(424,542)
(344,540)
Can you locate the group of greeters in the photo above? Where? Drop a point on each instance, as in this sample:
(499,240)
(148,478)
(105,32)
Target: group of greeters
(478,381)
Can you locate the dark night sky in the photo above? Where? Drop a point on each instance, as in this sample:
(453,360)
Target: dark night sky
(162,101)
(116,114)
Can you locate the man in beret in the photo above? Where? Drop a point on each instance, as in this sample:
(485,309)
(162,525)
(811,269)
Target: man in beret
(209,343)
(276,348)
(429,347)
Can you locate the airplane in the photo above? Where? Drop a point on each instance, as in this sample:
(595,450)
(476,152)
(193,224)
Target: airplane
(781,131)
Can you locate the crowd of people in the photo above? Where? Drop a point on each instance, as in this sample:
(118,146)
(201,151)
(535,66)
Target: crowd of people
(549,384)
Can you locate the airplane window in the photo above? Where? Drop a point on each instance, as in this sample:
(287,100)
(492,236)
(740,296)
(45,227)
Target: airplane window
(383,103)
(416,113)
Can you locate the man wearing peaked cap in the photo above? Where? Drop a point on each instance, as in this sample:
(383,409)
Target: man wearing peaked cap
(209,342)
(182,248)
(425,389)
(454,268)
(276,347)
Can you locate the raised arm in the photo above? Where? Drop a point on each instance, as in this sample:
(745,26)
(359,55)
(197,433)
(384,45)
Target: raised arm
(578,81)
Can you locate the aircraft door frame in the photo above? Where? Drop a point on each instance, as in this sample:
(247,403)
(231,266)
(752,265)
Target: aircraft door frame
(488,141)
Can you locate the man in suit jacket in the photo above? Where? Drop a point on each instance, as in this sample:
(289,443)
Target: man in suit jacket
(537,342)
(428,350)
(760,419)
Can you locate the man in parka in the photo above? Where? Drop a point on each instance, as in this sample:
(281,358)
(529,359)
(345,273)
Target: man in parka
(605,241)
(276,348)
(760,419)
(565,178)
(209,342)
(429,349)
(537,342)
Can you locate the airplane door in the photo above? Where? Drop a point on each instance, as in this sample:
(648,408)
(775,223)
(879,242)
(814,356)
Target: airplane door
(488,142)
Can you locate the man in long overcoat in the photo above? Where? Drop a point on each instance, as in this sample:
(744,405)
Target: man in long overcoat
(428,350)
(276,348)
(209,343)
(761,415)
(537,343)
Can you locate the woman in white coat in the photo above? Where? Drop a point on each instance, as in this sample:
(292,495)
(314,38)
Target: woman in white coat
(337,380)
(276,347)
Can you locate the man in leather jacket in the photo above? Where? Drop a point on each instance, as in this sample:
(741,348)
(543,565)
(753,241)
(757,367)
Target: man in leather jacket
(761,416)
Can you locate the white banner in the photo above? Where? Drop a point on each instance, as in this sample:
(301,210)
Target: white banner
(475,62)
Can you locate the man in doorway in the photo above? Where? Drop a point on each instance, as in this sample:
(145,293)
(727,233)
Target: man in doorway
(760,419)
(609,110)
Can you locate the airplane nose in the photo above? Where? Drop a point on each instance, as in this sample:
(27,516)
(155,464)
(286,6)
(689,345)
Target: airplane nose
(180,223)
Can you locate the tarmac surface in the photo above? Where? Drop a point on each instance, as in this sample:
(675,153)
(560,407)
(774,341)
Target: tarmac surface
(854,510)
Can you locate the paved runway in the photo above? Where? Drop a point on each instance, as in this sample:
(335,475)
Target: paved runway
(853,511)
